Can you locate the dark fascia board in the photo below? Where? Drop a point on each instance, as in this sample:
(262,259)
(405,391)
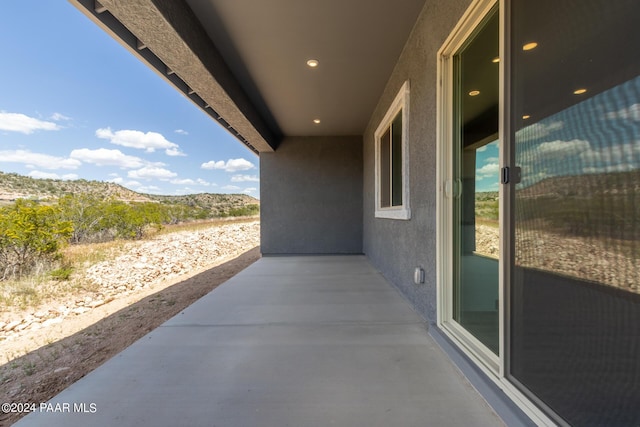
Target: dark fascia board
(166,35)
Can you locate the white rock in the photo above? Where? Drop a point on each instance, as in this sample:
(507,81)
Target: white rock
(22,327)
(12,325)
(53,321)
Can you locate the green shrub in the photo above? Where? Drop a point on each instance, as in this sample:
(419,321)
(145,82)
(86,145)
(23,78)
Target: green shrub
(84,212)
(248,210)
(62,274)
(29,233)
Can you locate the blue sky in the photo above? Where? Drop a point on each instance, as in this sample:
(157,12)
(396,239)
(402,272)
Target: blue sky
(74,104)
(598,135)
(487,168)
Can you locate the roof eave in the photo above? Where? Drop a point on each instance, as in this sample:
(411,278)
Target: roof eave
(166,35)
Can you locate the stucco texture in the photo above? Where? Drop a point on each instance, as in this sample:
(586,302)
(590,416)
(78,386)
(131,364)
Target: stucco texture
(397,247)
(311,196)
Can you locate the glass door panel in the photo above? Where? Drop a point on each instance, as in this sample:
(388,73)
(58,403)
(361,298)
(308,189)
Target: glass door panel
(476,179)
(575,291)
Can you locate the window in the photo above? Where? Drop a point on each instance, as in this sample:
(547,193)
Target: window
(392,198)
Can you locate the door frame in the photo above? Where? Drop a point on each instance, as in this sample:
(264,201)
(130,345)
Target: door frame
(448,188)
(494,367)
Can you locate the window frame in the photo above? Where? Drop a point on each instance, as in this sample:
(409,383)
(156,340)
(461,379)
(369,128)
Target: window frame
(399,105)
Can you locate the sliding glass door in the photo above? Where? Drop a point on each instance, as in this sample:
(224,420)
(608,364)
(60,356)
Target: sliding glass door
(575,285)
(539,207)
(476,179)
(471,239)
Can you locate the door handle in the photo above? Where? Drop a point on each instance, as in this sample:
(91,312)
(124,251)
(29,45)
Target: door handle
(510,174)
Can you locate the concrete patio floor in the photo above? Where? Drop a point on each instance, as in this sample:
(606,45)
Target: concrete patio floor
(290,341)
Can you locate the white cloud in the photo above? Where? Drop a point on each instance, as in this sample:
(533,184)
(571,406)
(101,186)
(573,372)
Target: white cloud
(181,132)
(579,156)
(632,112)
(186,181)
(132,184)
(50,175)
(189,181)
(173,152)
(538,130)
(614,158)
(490,169)
(493,145)
(231,188)
(231,165)
(623,167)
(150,141)
(205,183)
(560,148)
(43,175)
(106,157)
(59,117)
(213,165)
(250,190)
(33,160)
(151,172)
(245,178)
(16,122)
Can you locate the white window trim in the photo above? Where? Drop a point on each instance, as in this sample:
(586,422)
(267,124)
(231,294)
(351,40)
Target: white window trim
(401,102)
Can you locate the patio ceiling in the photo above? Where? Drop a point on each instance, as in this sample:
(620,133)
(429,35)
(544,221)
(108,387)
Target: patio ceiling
(245,61)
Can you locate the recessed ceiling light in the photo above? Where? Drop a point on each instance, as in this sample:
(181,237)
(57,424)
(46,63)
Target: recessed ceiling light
(529,46)
(313,63)
(526,116)
(316,121)
(579,91)
(474,93)
(496,60)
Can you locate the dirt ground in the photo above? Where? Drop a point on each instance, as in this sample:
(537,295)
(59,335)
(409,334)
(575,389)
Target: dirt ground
(41,374)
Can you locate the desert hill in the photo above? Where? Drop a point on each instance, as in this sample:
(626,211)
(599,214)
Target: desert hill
(14,186)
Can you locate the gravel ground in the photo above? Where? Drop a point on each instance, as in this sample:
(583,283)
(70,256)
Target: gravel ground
(596,260)
(40,361)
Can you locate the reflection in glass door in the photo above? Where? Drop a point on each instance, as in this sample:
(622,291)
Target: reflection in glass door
(574,341)
(475,296)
